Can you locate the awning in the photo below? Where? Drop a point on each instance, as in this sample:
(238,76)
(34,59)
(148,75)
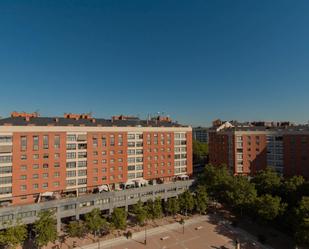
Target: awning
(103,188)
(183,176)
(130,182)
(47,194)
(142,181)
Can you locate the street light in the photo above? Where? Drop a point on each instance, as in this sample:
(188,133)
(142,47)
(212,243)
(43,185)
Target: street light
(182,222)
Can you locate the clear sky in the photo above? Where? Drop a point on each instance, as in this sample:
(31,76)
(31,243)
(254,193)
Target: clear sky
(195,60)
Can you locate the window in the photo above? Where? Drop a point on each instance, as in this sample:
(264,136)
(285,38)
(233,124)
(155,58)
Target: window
(103,152)
(45,142)
(71,165)
(45,175)
(23,157)
(95,142)
(23,177)
(5,159)
(103,141)
(23,167)
(57,142)
(71,155)
(120,140)
(71,146)
(5,139)
(23,187)
(71,138)
(112,140)
(57,156)
(94,153)
(82,181)
(112,152)
(35,186)
(35,166)
(23,143)
(35,156)
(95,161)
(45,156)
(71,173)
(5,180)
(82,164)
(35,142)
(56,174)
(45,166)
(104,170)
(5,190)
(45,185)
(56,184)
(6,169)
(71,182)
(82,172)
(82,154)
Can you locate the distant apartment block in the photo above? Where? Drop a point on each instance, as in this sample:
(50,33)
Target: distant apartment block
(200,134)
(247,149)
(78,154)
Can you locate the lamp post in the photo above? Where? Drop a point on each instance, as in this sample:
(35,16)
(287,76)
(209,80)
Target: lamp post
(182,222)
(145,241)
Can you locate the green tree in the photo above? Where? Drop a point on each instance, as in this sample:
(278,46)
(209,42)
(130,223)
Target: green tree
(267,182)
(157,208)
(76,229)
(13,236)
(269,207)
(119,218)
(154,208)
(217,180)
(201,199)
(172,206)
(95,222)
(140,212)
(302,221)
(186,202)
(200,152)
(241,194)
(45,228)
(291,190)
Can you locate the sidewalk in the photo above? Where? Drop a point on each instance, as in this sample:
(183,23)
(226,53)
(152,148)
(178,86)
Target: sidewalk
(248,239)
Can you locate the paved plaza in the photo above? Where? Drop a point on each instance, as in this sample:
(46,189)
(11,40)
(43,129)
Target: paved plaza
(200,233)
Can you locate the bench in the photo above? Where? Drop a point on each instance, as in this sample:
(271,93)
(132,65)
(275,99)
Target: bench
(165,237)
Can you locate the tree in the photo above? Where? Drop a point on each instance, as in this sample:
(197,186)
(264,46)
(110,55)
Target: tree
(269,207)
(267,182)
(76,229)
(201,199)
(154,208)
(13,236)
(172,206)
(302,221)
(241,194)
(140,212)
(186,202)
(291,190)
(94,221)
(45,228)
(217,181)
(200,152)
(157,208)
(119,218)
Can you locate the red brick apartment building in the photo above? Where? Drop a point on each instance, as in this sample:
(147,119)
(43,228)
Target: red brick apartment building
(247,149)
(78,153)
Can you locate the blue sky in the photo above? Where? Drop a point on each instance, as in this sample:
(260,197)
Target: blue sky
(195,60)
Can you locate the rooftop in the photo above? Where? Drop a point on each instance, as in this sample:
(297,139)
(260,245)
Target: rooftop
(70,119)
